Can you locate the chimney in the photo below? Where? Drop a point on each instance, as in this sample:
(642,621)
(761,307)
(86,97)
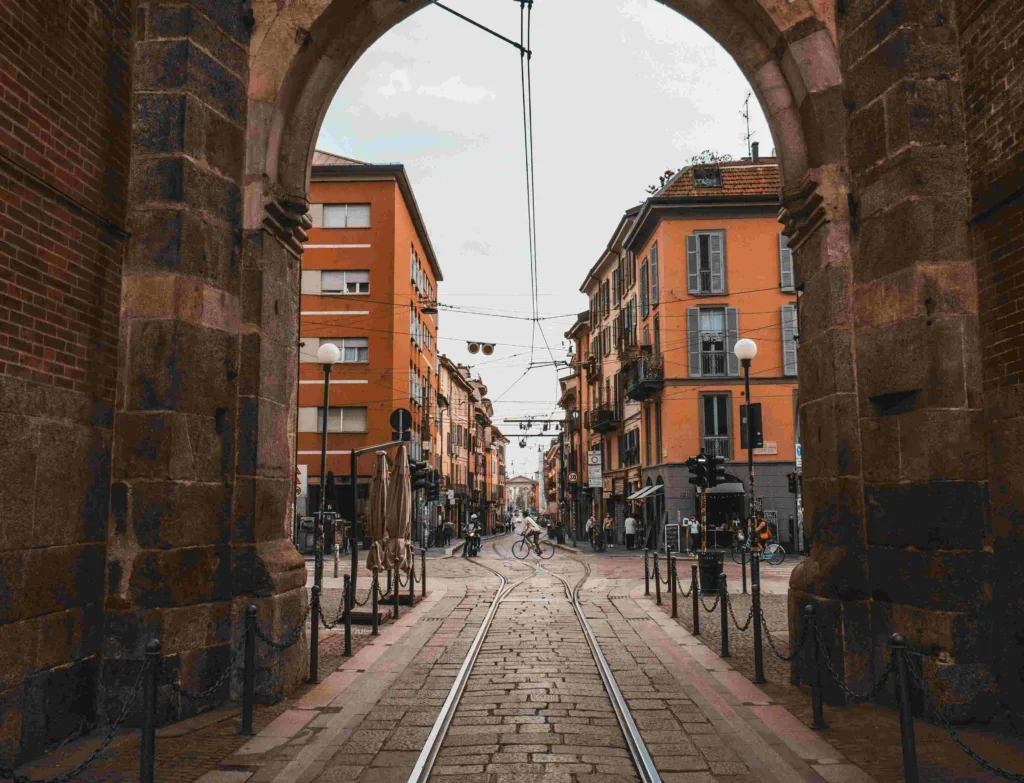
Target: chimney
(753,152)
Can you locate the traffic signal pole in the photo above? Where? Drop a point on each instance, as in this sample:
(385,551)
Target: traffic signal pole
(750,467)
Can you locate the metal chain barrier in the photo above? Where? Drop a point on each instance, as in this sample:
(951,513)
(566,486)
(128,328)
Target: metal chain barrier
(851,695)
(954,735)
(746,625)
(714,606)
(294,637)
(675,575)
(402,584)
(794,650)
(199,696)
(7,773)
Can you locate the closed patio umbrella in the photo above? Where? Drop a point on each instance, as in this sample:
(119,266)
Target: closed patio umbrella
(376,519)
(399,515)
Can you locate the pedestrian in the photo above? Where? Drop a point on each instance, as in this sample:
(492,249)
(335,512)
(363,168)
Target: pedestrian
(694,533)
(609,530)
(448,533)
(630,531)
(589,527)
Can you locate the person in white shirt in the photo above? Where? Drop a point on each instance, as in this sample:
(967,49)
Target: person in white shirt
(630,531)
(531,530)
(591,527)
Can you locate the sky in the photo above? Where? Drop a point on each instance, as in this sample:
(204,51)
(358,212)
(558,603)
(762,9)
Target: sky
(622,91)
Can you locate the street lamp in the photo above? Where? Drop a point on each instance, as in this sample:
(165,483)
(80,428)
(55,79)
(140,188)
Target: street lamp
(327,355)
(746,350)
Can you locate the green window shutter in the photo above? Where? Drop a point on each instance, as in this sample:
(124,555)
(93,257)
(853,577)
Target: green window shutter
(693,339)
(732,332)
(692,265)
(717,243)
(654,275)
(789,335)
(645,306)
(785,264)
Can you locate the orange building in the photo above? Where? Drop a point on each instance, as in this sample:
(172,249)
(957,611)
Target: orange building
(697,266)
(369,285)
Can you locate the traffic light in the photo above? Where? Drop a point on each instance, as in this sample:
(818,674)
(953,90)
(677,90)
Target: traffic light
(794,482)
(699,468)
(433,489)
(419,475)
(330,489)
(716,471)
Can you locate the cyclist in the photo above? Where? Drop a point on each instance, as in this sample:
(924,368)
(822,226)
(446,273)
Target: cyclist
(531,530)
(762,532)
(591,525)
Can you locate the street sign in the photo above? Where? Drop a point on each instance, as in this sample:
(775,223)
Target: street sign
(401,419)
(573,478)
(451,495)
(755,412)
(799,456)
(594,474)
(302,480)
(671,538)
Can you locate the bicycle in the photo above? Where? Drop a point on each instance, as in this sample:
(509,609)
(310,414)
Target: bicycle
(521,548)
(773,554)
(598,542)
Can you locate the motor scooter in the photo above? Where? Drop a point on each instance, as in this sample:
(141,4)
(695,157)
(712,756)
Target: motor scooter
(474,543)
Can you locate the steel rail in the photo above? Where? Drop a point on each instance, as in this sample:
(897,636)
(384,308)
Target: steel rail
(427,757)
(637,749)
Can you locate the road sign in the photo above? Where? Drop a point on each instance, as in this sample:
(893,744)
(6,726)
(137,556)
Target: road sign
(594,473)
(401,419)
(799,456)
(451,495)
(573,478)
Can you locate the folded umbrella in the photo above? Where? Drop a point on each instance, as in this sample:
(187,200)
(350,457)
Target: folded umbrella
(376,518)
(399,514)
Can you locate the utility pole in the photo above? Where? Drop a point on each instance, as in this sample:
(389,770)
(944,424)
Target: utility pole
(745,114)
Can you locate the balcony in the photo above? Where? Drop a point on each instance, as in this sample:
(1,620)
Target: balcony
(713,363)
(716,445)
(645,376)
(604,418)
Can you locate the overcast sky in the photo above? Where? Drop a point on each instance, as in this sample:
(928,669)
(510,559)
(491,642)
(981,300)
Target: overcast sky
(622,90)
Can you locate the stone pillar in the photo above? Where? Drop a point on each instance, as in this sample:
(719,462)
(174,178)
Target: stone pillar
(895,480)
(195,530)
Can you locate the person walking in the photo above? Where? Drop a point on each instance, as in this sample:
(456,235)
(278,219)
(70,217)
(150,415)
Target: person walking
(694,534)
(591,527)
(448,533)
(609,530)
(630,532)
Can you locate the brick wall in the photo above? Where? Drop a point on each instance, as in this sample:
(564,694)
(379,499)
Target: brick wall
(64,154)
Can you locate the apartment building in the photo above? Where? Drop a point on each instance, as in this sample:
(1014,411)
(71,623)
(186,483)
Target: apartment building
(369,285)
(697,266)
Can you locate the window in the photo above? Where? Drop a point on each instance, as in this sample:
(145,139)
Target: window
(790,338)
(715,424)
(606,338)
(657,431)
(711,334)
(345,281)
(346,215)
(647,335)
(647,436)
(654,275)
(645,302)
(616,285)
(629,449)
(354,349)
(705,262)
(657,334)
(785,264)
(351,420)
(605,300)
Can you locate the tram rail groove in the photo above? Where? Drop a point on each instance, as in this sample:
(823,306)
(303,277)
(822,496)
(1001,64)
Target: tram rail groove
(634,742)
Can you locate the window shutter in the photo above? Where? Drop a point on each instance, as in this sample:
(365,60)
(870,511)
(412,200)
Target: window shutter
(785,264)
(692,265)
(693,339)
(645,307)
(654,275)
(789,333)
(732,334)
(717,242)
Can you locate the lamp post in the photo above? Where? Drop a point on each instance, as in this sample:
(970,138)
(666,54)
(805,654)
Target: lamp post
(327,355)
(746,350)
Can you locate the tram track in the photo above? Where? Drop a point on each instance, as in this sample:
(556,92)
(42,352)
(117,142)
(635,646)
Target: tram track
(638,752)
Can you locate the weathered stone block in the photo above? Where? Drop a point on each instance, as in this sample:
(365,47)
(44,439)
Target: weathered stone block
(834,573)
(82,467)
(20,436)
(924,112)
(927,172)
(181,577)
(67,636)
(934,579)
(826,364)
(173,240)
(56,703)
(267,368)
(927,515)
(260,509)
(166,514)
(1007,485)
(228,15)
(168,21)
(17,660)
(224,145)
(903,55)
(159,125)
(920,290)
(10,724)
(929,20)
(829,426)
(180,366)
(191,627)
(835,511)
(164,65)
(866,136)
(942,444)
(61,577)
(880,449)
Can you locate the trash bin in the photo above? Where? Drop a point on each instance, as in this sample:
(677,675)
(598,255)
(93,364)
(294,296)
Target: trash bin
(709,566)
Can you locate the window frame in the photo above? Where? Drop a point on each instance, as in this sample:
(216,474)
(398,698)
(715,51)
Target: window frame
(341,419)
(645,295)
(347,205)
(695,236)
(343,291)
(730,433)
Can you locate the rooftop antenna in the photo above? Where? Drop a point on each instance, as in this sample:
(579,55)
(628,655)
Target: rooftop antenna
(745,114)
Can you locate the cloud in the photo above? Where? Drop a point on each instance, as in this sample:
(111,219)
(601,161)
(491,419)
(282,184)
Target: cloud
(476,247)
(452,89)
(401,78)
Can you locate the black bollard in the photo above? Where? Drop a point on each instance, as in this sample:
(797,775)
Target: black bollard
(657,581)
(347,599)
(314,634)
(755,590)
(695,594)
(249,672)
(672,579)
(899,662)
(147,749)
(647,575)
(423,573)
(723,599)
(743,569)
(412,583)
(818,715)
(394,594)
(373,605)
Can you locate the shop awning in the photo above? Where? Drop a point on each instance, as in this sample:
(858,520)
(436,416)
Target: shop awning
(642,493)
